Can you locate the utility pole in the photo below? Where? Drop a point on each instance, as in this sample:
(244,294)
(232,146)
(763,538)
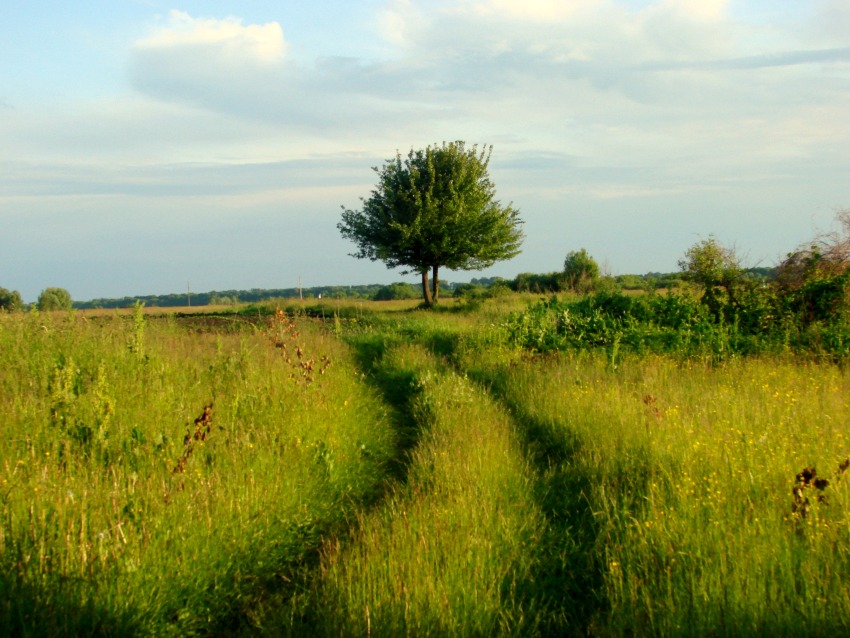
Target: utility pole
(300,295)
(188,295)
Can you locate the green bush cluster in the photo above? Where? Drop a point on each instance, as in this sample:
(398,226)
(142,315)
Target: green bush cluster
(475,294)
(398,290)
(54,299)
(10,300)
(759,319)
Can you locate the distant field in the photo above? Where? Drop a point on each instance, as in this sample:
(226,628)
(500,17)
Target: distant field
(153,310)
(369,468)
(329,304)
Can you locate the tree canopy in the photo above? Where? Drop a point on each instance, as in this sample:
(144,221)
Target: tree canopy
(434,208)
(711,265)
(580,270)
(54,299)
(10,300)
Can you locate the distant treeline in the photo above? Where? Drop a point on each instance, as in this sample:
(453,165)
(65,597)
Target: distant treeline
(524,282)
(558,281)
(232,297)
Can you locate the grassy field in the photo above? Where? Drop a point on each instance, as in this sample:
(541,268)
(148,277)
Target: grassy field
(374,469)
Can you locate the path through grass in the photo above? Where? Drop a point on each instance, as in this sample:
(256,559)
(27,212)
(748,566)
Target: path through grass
(452,547)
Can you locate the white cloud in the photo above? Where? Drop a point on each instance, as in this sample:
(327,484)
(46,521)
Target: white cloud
(832,22)
(672,82)
(398,21)
(537,10)
(557,75)
(705,11)
(225,67)
(227,40)
(222,66)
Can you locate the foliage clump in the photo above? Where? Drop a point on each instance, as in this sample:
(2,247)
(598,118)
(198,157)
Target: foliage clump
(716,270)
(817,274)
(396,291)
(54,299)
(539,282)
(580,271)
(728,311)
(825,257)
(10,300)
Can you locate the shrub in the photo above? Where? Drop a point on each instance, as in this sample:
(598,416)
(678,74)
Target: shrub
(54,299)
(396,291)
(581,271)
(10,300)
(543,283)
(762,321)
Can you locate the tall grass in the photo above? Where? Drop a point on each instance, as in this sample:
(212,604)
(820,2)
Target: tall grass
(452,549)
(399,472)
(117,519)
(688,471)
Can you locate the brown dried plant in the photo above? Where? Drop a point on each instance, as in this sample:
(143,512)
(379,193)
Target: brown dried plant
(203,426)
(806,480)
(651,403)
(825,256)
(284,334)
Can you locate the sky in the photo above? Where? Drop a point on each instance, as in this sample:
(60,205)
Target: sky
(148,146)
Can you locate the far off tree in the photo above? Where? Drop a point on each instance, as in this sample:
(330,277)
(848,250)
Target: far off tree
(435,208)
(54,299)
(10,300)
(581,271)
(716,269)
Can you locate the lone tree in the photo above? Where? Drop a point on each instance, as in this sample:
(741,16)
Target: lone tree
(435,208)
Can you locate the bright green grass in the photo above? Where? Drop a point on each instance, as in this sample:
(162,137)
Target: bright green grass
(432,481)
(688,471)
(452,550)
(100,534)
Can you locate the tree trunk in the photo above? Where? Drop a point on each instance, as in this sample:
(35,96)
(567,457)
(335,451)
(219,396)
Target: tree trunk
(426,290)
(436,284)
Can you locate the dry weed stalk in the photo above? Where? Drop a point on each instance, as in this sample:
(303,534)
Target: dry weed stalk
(284,335)
(651,403)
(203,426)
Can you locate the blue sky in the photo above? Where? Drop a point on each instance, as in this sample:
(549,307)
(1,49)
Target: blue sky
(149,145)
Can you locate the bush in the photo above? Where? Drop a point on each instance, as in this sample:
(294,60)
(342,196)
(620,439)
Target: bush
(396,291)
(469,292)
(824,299)
(545,283)
(679,324)
(631,282)
(54,299)
(580,271)
(10,300)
